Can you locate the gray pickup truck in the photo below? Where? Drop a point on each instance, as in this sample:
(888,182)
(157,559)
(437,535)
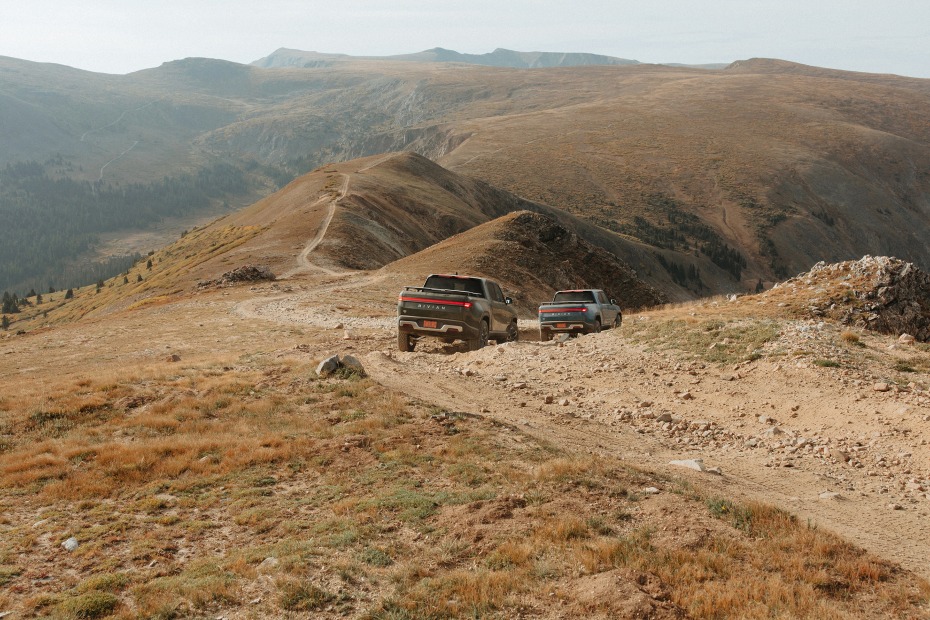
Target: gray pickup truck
(583,311)
(455,308)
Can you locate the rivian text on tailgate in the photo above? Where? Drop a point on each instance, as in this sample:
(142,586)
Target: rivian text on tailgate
(454,307)
(582,311)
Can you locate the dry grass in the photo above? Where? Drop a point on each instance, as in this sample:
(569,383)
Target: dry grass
(712,339)
(180,484)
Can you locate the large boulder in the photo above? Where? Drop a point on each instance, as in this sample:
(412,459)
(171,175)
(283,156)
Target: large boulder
(879,293)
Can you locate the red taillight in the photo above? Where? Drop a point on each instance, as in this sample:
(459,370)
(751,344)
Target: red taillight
(438,302)
(546,310)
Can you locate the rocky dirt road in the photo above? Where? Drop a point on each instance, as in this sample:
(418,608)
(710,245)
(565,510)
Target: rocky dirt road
(835,446)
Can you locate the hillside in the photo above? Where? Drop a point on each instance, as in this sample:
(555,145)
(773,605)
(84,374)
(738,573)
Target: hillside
(532,256)
(761,169)
(180,455)
(369,213)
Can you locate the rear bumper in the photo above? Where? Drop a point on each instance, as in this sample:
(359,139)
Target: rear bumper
(570,327)
(443,329)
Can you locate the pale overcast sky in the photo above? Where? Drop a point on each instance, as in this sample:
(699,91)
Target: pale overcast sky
(120,36)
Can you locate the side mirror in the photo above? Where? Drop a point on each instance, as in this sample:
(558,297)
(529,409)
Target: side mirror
(613,301)
(508,300)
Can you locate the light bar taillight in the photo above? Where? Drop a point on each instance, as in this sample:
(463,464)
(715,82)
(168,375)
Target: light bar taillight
(545,310)
(424,300)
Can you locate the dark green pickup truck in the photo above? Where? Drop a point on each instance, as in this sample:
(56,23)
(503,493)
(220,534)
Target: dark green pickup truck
(455,308)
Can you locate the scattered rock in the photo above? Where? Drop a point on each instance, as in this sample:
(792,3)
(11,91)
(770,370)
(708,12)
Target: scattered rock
(174,357)
(695,464)
(328,366)
(906,339)
(352,363)
(831,495)
(268,564)
(651,491)
(71,544)
(881,387)
(246,273)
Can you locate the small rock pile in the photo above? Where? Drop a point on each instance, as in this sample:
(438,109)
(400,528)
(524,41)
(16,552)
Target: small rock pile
(246,273)
(879,293)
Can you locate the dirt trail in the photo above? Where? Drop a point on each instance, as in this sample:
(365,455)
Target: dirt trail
(510,383)
(303,259)
(818,442)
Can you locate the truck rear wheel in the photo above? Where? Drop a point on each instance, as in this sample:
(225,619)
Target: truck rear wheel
(513,333)
(545,335)
(482,339)
(597,327)
(405,341)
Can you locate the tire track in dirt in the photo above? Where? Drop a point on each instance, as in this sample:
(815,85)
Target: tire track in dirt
(898,535)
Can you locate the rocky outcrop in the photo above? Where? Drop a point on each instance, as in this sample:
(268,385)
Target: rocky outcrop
(879,293)
(246,273)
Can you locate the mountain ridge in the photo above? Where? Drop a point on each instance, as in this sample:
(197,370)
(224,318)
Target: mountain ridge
(762,169)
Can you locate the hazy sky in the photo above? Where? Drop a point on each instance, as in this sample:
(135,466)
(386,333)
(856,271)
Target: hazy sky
(119,36)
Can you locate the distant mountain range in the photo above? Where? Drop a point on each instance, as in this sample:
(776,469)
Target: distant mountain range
(498,58)
(721,179)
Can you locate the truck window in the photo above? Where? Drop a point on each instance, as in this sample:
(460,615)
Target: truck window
(496,293)
(450,283)
(580,296)
(602,298)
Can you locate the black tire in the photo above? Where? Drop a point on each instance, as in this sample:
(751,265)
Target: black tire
(597,327)
(405,342)
(513,332)
(482,340)
(545,335)
(618,321)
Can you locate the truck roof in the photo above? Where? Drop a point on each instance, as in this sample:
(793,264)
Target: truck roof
(455,275)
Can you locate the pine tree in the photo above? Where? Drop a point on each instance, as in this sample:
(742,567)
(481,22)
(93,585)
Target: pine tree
(125,279)
(148,264)
(69,294)
(139,277)
(10,303)
(5,323)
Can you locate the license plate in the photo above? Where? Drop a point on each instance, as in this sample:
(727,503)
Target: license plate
(431,324)
(561,325)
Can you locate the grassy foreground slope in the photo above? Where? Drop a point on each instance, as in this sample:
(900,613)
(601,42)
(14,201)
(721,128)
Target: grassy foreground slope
(247,486)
